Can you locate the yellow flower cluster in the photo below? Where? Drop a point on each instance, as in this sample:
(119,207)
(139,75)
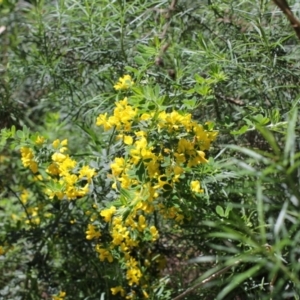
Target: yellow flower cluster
(164,164)
(62,180)
(28,159)
(124,83)
(125,238)
(160,149)
(67,182)
(122,117)
(92,233)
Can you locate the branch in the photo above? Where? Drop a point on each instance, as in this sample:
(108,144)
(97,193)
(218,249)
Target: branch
(235,101)
(284,6)
(168,15)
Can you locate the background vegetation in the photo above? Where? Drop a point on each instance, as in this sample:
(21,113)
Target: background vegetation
(233,65)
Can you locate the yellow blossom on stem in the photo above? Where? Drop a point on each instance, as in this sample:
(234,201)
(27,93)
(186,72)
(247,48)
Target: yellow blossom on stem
(108,213)
(128,140)
(118,166)
(24,196)
(58,157)
(195,186)
(92,233)
(142,223)
(39,140)
(131,263)
(154,233)
(66,166)
(87,172)
(104,254)
(33,167)
(64,142)
(27,157)
(118,289)
(102,120)
(53,169)
(133,276)
(124,83)
(60,296)
(56,144)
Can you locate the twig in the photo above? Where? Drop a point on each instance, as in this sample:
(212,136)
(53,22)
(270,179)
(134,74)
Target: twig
(284,6)
(168,14)
(235,101)
(22,204)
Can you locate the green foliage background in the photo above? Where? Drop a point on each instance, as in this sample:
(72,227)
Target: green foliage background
(234,63)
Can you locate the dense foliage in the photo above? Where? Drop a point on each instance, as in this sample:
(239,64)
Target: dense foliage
(148,150)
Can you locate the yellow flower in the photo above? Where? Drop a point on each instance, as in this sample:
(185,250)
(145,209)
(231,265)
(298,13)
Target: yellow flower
(142,223)
(140,133)
(27,156)
(64,142)
(124,83)
(33,167)
(118,289)
(56,143)
(141,150)
(104,254)
(123,114)
(185,146)
(87,172)
(27,159)
(53,169)
(131,263)
(128,140)
(24,196)
(102,120)
(195,186)
(133,276)
(2,251)
(66,166)
(108,213)
(63,149)
(92,233)
(145,117)
(58,157)
(118,166)
(154,233)
(60,296)
(39,140)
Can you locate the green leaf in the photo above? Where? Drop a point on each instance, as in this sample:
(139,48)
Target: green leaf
(269,137)
(20,134)
(220,211)
(228,210)
(199,79)
(261,120)
(238,279)
(13,130)
(290,134)
(146,51)
(140,60)
(275,115)
(241,131)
